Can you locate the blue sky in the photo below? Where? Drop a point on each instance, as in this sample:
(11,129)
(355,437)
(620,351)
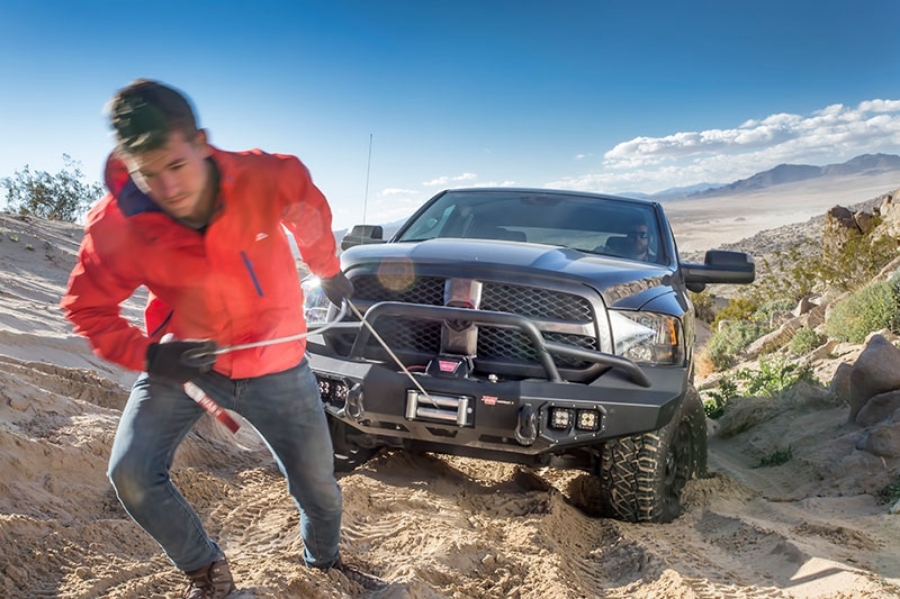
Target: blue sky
(603,95)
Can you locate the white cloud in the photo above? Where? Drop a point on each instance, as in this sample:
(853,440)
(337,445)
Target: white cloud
(447,180)
(396,191)
(834,133)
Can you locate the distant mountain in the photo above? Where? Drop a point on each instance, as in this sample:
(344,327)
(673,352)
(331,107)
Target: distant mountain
(673,193)
(866,164)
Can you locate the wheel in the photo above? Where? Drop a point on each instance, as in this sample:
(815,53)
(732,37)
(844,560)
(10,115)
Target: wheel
(348,455)
(642,476)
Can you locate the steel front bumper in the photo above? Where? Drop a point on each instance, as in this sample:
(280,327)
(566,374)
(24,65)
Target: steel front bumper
(513,416)
(522,417)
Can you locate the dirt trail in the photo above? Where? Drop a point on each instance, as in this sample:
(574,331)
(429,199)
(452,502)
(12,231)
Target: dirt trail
(436,527)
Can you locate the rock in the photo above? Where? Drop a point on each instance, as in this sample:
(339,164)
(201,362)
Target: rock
(823,352)
(776,338)
(865,221)
(882,440)
(840,383)
(816,316)
(879,408)
(876,370)
(839,216)
(803,306)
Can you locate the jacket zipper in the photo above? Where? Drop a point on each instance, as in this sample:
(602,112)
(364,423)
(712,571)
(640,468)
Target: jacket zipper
(249,266)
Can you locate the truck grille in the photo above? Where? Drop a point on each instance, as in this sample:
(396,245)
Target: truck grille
(405,335)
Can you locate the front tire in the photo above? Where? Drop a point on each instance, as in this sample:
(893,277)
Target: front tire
(642,477)
(348,455)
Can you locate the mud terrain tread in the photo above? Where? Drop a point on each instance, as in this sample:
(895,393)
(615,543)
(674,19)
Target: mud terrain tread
(633,469)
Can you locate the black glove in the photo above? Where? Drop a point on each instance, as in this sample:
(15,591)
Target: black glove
(337,288)
(165,360)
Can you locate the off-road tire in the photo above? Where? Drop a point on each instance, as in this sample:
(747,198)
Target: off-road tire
(642,476)
(347,455)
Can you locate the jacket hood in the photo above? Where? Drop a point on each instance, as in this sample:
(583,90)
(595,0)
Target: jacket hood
(129,198)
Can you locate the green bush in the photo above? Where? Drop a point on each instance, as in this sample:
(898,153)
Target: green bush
(767,310)
(704,305)
(62,196)
(775,375)
(776,458)
(738,308)
(871,308)
(890,493)
(807,266)
(804,341)
(719,397)
(732,337)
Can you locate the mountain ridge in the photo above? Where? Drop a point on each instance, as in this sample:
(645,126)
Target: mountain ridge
(864,164)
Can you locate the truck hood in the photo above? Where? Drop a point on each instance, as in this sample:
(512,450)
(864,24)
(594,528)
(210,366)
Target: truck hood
(622,283)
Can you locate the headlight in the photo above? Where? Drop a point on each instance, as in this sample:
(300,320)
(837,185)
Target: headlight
(647,337)
(316,307)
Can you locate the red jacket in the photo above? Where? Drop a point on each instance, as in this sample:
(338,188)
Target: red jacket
(236,283)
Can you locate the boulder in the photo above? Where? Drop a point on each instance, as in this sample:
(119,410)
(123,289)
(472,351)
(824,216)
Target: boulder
(877,370)
(823,352)
(840,382)
(865,221)
(882,440)
(803,306)
(775,339)
(879,408)
(816,316)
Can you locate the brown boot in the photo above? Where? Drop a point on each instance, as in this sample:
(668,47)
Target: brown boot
(367,581)
(212,581)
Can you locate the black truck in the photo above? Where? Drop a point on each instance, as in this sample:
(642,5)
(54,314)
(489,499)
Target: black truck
(536,326)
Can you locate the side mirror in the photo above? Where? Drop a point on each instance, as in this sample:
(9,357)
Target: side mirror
(363,235)
(719,266)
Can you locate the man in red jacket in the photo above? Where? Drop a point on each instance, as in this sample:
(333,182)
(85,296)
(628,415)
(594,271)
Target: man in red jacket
(203,230)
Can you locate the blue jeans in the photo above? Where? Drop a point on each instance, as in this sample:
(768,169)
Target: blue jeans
(285,408)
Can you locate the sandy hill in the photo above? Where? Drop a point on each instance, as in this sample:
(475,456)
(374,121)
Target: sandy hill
(435,527)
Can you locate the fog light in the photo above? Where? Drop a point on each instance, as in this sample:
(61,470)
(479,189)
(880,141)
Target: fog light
(588,420)
(560,418)
(333,392)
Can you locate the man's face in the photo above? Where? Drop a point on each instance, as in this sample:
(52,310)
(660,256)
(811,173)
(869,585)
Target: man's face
(175,176)
(638,241)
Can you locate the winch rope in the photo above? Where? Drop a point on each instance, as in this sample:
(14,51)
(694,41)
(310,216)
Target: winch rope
(390,352)
(200,357)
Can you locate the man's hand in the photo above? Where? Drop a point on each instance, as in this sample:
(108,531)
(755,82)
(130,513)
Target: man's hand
(164,360)
(337,288)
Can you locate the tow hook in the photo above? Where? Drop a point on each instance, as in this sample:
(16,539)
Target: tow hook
(354,406)
(526,430)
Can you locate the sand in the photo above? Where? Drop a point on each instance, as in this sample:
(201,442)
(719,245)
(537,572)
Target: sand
(435,527)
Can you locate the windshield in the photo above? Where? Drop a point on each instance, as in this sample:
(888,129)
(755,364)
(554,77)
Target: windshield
(622,228)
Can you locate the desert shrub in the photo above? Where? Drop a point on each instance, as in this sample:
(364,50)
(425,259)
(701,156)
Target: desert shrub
(719,397)
(857,261)
(890,493)
(767,310)
(871,308)
(729,339)
(63,196)
(776,458)
(807,267)
(738,308)
(775,375)
(738,325)
(804,341)
(704,305)
(790,274)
